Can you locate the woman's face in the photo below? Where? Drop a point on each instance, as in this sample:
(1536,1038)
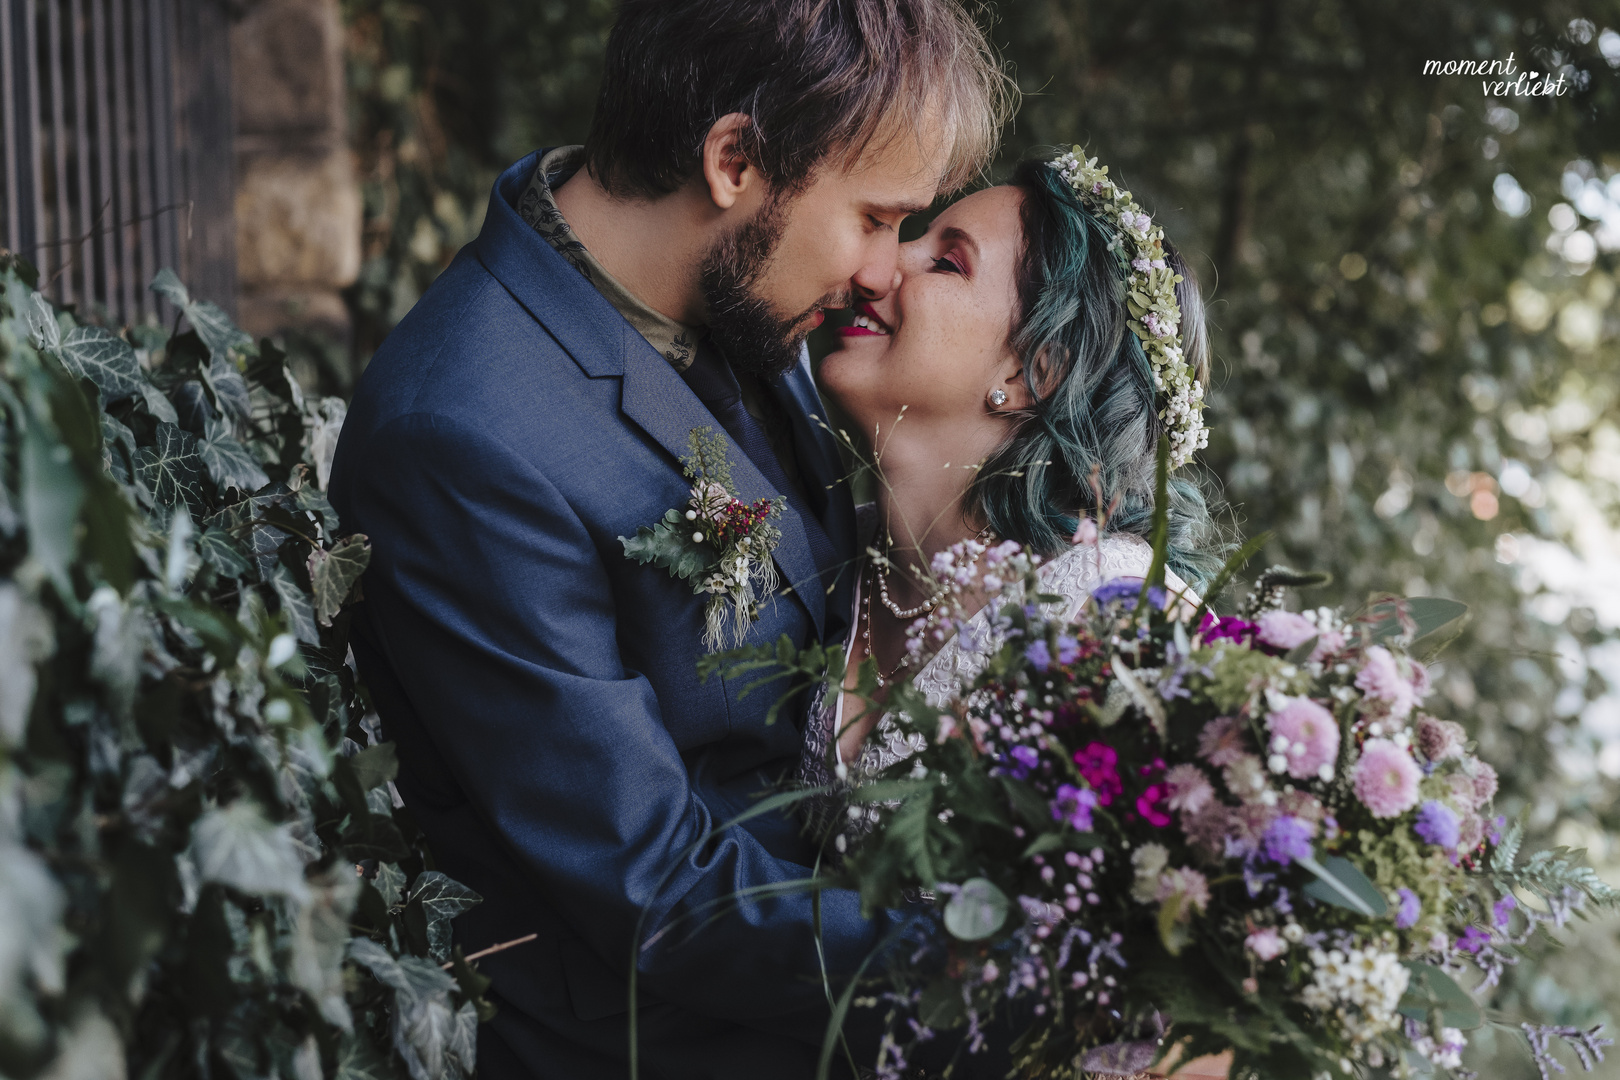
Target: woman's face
(937,344)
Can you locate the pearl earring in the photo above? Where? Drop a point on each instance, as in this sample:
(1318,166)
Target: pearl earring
(997,398)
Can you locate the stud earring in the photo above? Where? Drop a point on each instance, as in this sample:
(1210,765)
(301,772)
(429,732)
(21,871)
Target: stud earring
(997,398)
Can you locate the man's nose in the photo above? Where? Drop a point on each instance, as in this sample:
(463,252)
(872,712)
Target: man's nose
(878,277)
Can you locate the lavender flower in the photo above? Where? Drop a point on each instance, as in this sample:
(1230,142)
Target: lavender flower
(1023,761)
(1286,839)
(1125,591)
(1502,911)
(1473,940)
(1039,656)
(1408,910)
(1068,650)
(1437,824)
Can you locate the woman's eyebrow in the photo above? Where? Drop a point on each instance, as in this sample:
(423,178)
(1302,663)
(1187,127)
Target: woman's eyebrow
(962,236)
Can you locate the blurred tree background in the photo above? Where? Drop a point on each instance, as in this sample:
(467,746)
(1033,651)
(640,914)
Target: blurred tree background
(1413,299)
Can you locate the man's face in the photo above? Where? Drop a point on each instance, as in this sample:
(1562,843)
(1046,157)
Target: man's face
(767,282)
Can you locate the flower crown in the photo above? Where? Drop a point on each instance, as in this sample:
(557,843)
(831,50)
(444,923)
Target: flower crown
(1150,295)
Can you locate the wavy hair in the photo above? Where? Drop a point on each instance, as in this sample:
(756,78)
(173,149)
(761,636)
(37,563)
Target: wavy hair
(1095,409)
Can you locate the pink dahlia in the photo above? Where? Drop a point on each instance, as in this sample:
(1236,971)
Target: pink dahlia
(1330,643)
(1308,736)
(1484,781)
(1380,678)
(1386,779)
(1221,741)
(1440,739)
(1190,790)
(1284,630)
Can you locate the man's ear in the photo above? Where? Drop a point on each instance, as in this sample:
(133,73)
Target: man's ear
(727,173)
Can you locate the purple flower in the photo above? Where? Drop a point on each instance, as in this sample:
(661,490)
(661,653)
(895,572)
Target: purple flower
(1408,910)
(1039,656)
(1437,823)
(1024,760)
(1286,839)
(1074,806)
(1498,823)
(1473,940)
(1125,591)
(1503,911)
(1068,650)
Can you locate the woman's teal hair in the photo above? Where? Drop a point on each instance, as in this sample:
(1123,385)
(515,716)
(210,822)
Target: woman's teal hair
(1095,409)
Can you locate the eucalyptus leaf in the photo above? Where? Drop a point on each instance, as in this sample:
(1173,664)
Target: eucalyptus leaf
(977,910)
(1431,990)
(1339,882)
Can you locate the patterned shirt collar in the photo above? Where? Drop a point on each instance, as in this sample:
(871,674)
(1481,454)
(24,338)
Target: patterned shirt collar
(675,341)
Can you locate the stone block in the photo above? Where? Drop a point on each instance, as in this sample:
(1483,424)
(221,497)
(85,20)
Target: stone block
(298,220)
(287,69)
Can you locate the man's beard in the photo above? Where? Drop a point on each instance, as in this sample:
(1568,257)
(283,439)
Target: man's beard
(743,324)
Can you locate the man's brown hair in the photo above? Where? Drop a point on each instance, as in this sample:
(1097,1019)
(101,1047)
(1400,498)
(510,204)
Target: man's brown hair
(821,80)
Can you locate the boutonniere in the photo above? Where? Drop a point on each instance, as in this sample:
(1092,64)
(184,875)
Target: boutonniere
(717,542)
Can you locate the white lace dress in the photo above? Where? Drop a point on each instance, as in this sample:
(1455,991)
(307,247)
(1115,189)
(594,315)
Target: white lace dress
(1073,575)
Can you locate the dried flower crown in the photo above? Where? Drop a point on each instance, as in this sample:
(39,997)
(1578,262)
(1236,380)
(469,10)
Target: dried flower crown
(1150,296)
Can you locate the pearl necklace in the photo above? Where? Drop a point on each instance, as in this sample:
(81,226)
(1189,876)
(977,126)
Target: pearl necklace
(925,608)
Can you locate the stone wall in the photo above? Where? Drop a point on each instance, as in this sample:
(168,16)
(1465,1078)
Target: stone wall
(297,198)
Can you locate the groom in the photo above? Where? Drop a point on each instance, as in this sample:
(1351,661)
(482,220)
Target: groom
(747,169)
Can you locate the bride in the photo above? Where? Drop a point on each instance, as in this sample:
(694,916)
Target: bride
(1005,388)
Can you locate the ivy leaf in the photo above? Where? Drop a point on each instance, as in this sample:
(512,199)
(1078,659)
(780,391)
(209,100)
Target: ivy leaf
(977,910)
(40,318)
(332,574)
(375,765)
(433,1038)
(212,324)
(358,1059)
(158,405)
(172,470)
(229,462)
(669,544)
(52,496)
(25,640)
(441,899)
(295,605)
(230,388)
(104,358)
(237,846)
(389,883)
(221,551)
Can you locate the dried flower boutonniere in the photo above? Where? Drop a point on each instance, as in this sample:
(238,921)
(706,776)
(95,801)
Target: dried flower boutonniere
(719,543)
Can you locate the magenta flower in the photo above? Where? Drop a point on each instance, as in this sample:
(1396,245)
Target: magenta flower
(1380,679)
(1386,779)
(1073,806)
(1308,736)
(1099,764)
(1148,805)
(1230,628)
(1284,630)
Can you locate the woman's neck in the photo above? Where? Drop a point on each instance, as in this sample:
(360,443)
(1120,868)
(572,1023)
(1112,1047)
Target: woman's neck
(919,502)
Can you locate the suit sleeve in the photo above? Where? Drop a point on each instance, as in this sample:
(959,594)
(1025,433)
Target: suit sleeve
(495,613)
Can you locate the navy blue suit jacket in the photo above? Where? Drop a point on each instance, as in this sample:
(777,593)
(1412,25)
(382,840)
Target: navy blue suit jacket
(555,742)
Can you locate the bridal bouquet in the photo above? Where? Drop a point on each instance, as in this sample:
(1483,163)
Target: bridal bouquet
(1153,827)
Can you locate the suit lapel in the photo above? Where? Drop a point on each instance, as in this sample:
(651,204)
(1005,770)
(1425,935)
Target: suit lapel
(604,345)
(823,471)
(658,400)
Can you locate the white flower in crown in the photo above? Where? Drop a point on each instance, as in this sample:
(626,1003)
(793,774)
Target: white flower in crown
(1150,298)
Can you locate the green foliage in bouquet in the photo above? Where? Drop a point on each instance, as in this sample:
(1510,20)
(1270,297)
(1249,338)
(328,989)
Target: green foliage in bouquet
(202,869)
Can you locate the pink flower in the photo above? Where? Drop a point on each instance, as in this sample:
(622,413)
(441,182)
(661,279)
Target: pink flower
(1380,678)
(1330,643)
(1284,630)
(1307,735)
(1266,944)
(1086,532)
(1190,790)
(1484,781)
(1186,883)
(1221,741)
(1386,779)
(1206,831)
(1461,789)
(1440,739)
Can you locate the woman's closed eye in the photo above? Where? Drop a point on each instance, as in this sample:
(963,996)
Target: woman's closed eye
(948,264)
